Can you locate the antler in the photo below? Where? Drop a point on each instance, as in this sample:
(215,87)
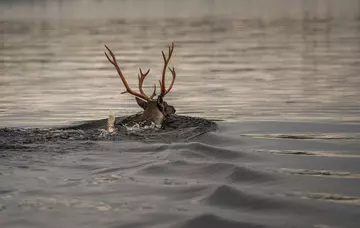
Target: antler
(164,91)
(141,78)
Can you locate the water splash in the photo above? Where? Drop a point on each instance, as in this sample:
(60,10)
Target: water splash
(141,126)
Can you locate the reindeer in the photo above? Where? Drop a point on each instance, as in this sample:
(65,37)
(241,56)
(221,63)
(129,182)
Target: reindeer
(155,110)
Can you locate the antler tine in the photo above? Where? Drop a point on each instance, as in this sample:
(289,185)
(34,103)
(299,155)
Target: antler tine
(154,92)
(164,91)
(128,89)
(141,81)
(173,80)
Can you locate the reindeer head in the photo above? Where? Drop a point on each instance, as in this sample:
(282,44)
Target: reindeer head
(155,110)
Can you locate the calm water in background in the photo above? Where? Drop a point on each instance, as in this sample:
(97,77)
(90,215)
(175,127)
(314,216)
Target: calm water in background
(283,75)
(235,61)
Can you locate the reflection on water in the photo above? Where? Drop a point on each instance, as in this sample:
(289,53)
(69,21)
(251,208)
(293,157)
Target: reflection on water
(266,66)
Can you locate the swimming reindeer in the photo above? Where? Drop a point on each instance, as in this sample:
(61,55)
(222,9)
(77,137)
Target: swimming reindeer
(155,110)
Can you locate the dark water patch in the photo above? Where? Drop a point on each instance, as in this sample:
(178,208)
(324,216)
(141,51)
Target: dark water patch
(215,221)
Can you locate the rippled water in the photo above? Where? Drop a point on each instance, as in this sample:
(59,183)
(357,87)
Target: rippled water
(282,78)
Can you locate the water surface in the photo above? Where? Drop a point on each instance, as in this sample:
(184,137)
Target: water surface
(282,78)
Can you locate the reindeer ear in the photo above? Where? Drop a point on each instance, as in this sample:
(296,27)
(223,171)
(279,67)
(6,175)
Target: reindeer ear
(169,109)
(141,102)
(160,100)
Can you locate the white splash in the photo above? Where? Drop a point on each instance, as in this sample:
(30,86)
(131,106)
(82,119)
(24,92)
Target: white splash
(142,126)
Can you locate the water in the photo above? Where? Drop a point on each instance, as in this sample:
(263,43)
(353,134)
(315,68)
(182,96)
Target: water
(282,78)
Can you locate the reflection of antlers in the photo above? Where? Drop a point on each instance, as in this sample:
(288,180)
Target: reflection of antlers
(141,95)
(164,91)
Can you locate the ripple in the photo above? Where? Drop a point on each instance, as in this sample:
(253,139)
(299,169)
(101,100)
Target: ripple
(322,173)
(310,153)
(198,149)
(6,146)
(218,171)
(336,198)
(329,197)
(339,136)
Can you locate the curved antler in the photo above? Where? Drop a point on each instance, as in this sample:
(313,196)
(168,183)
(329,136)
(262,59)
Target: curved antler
(164,91)
(141,95)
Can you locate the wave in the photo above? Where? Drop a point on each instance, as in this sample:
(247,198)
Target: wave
(223,172)
(230,197)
